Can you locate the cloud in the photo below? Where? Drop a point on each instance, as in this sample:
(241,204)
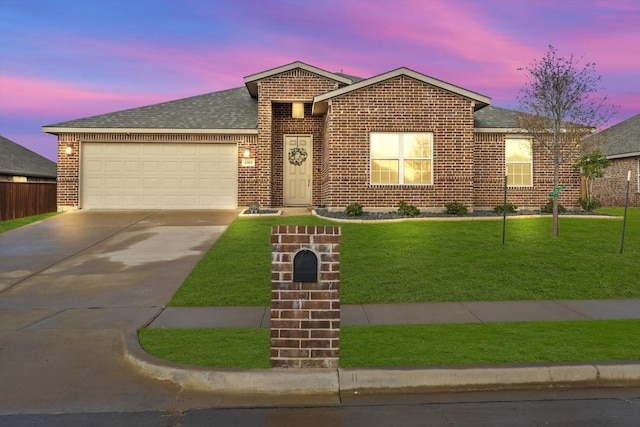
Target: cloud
(20,96)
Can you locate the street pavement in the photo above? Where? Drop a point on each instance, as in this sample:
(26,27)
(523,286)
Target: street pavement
(76,287)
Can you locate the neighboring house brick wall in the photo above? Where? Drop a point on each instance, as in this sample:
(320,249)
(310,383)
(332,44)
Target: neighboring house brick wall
(612,187)
(401,104)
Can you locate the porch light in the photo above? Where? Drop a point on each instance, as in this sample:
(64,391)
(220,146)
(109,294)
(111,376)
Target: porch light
(69,149)
(247,152)
(297,110)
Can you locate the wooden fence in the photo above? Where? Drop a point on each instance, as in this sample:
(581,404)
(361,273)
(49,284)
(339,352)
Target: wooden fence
(20,199)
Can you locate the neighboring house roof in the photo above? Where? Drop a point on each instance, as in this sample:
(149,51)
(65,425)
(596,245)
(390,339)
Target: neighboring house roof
(320,102)
(17,160)
(621,140)
(227,111)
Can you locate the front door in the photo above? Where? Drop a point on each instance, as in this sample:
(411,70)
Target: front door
(298,170)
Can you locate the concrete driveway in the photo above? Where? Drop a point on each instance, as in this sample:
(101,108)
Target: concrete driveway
(71,285)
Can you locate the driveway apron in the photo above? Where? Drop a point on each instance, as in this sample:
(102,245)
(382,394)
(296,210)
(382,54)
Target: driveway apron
(72,285)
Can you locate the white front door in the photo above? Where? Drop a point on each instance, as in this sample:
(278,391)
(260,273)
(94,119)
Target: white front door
(298,169)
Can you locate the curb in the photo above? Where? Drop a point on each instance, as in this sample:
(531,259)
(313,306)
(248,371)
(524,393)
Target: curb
(365,380)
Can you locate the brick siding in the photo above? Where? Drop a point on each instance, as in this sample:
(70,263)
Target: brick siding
(401,104)
(305,316)
(612,187)
(275,95)
(489,162)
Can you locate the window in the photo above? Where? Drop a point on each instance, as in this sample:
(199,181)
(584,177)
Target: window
(401,158)
(519,162)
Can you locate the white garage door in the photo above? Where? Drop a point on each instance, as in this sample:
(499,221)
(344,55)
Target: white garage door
(158,176)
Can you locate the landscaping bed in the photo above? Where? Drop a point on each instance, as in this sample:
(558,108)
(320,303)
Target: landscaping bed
(394,215)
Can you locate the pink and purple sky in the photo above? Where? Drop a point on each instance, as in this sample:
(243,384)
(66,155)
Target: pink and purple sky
(66,59)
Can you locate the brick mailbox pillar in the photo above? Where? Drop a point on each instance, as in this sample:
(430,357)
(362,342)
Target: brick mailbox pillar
(305,296)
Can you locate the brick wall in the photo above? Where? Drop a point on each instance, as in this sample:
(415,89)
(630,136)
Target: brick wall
(401,104)
(275,95)
(489,162)
(305,316)
(612,187)
(283,125)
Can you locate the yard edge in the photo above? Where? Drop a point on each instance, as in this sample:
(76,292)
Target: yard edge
(380,380)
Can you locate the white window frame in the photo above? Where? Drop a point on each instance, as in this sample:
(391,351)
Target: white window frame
(401,158)
(530,162)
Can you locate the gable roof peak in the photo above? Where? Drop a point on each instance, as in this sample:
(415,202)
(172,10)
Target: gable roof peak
(251,81)
(320,101)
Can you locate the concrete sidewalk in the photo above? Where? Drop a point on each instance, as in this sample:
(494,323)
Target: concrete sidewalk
(408,314)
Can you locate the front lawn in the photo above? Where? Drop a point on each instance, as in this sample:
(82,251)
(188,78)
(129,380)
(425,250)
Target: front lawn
(423,261)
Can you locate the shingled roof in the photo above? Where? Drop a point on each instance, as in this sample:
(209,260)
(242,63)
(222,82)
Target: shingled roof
(17,160)
(229,110)
(621,140)
(491,117)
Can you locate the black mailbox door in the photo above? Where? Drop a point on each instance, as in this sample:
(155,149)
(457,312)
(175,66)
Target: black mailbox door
(305,266)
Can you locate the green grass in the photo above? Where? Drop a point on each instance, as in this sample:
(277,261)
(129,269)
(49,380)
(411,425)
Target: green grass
(414,345)
(237,269)
(421,261)
(222,348)
(10,224)
(527,342)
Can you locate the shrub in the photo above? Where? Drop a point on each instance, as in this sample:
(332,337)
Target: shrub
(254,208)
(590,205)
(548,208)
(354,209)
(456,208)
(406,209)
(511,208)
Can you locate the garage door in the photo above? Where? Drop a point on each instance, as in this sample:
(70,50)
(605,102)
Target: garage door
(158,176)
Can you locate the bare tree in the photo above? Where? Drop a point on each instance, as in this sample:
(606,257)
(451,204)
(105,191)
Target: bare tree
(561,104)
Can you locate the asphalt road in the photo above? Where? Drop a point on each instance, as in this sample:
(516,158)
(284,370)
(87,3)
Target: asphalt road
(560,407)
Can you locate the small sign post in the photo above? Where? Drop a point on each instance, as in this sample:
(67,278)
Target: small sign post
(504,211)
(626,205)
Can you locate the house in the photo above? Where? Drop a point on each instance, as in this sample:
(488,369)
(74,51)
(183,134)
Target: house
(298,135)
(621,145)
(19,164)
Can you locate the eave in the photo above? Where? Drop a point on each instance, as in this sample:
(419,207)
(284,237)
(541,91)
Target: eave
(58,130)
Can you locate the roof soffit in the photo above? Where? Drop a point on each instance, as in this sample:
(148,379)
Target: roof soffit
(251,81)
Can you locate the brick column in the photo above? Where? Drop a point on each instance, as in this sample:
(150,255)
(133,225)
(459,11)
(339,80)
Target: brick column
(305,315)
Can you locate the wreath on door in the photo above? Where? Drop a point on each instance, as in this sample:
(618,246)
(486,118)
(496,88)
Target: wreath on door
(297,156)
